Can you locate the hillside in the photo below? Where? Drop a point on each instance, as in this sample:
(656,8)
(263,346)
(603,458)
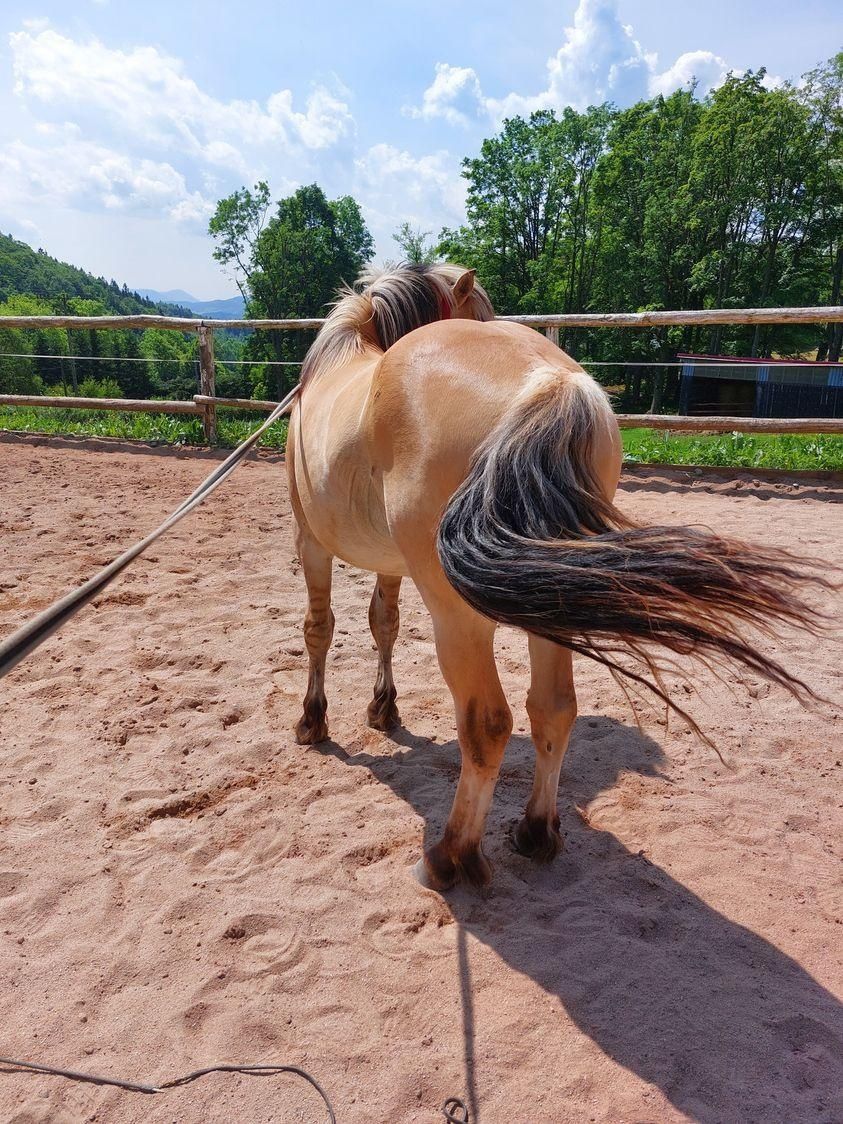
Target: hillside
(33,272)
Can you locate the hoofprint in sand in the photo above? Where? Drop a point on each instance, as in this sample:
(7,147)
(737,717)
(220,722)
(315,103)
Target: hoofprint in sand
(181,884)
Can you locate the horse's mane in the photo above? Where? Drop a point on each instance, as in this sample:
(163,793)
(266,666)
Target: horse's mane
(384,305)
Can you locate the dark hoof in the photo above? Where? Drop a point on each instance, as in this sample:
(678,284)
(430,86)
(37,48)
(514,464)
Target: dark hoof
(312,727)
(438,870)
(537,839)
(382,713)
(311,731)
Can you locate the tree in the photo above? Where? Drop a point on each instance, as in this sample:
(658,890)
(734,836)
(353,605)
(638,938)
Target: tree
(172,362)
(236,226)
(646,243)
(530,233)
(416,244)
(822,95)
(293,266)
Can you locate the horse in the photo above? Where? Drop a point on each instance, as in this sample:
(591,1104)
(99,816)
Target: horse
(430,441)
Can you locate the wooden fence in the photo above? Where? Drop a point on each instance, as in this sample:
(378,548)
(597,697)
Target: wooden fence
(206,403)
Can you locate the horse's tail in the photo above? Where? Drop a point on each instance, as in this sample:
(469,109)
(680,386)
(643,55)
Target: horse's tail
(530,540)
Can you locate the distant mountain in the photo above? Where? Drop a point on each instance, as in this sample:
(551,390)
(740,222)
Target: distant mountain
(232,308)
(172,296)
(34,272)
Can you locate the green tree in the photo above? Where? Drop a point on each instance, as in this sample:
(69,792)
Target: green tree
(19,375)
(530,233)
(292,266)
(822,96)
(172,358)
(646,246)
(236,226)
(416,245)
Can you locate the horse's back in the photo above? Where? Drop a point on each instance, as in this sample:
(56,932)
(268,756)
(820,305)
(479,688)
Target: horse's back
(378,447)
(436,395)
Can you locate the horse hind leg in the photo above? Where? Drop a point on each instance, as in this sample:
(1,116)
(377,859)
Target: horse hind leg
(552,710)
(316,563)
(465,647)
(383,620)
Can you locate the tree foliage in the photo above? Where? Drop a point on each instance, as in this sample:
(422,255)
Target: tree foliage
(417,246)
(735,200)
(290,266)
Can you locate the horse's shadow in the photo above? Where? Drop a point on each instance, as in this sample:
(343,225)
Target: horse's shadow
(725,1024)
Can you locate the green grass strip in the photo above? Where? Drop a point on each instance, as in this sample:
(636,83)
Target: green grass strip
(173,429)
(742,450)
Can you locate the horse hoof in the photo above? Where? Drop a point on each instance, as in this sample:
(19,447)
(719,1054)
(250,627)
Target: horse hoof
(382,713)
(436,874)
(537,839)
(476,868)
(438,870)
(421,874)
(311,733)
(382,718)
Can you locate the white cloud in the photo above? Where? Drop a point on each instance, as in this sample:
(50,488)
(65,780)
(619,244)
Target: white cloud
(395,187)
(454,94)
(144,138)
(706,68)
(147,93)
(80,174)
(599,60)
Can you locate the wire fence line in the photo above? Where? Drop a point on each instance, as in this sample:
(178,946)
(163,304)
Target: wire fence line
(151,359)
(725,362)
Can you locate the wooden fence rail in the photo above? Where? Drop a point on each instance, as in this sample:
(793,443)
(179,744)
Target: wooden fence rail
(684,423)
(678,423)
(816,314)
(206,403)
(131,405)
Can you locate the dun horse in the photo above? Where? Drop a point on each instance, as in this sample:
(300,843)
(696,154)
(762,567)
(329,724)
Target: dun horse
(479,460)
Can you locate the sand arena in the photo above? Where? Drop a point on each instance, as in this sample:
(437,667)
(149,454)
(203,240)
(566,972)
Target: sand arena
(181,884)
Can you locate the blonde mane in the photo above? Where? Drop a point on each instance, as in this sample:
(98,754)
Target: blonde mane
(384,305)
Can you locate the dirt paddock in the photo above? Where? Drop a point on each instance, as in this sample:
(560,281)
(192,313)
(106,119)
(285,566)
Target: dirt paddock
(181,884)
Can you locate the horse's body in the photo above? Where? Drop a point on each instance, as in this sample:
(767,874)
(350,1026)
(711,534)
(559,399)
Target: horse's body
(405,415)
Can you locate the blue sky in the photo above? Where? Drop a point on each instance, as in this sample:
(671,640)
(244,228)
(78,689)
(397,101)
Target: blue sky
(122,124)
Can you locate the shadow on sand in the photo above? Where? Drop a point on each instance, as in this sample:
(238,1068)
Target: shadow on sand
(726,1025)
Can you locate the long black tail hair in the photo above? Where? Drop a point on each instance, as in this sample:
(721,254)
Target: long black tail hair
(530,540)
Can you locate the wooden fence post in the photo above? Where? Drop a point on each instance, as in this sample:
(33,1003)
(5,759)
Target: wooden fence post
(207,382)
(553,335)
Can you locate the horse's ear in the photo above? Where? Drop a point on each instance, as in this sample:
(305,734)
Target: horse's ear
(464,286)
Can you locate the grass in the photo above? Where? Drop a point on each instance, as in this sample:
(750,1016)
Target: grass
(794,451)
(173,429)
(786,451)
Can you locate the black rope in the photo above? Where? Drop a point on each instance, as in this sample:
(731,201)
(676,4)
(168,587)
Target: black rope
(451,1107)
(176,1082)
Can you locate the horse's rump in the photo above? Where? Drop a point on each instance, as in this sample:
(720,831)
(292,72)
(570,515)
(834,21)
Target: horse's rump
(531,540)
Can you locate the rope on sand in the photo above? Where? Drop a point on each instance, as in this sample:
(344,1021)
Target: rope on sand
(449,1109)
(175,1082)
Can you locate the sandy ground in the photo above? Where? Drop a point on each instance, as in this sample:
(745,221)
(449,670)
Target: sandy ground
(181,884)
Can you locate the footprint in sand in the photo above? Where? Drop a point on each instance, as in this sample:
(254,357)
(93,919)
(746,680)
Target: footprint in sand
(124,597)
(361,857)
(805,1035)
(10,882)
(410,933)
(263,948)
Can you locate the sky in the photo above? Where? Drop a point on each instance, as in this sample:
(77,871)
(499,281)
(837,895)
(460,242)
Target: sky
(122,124)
